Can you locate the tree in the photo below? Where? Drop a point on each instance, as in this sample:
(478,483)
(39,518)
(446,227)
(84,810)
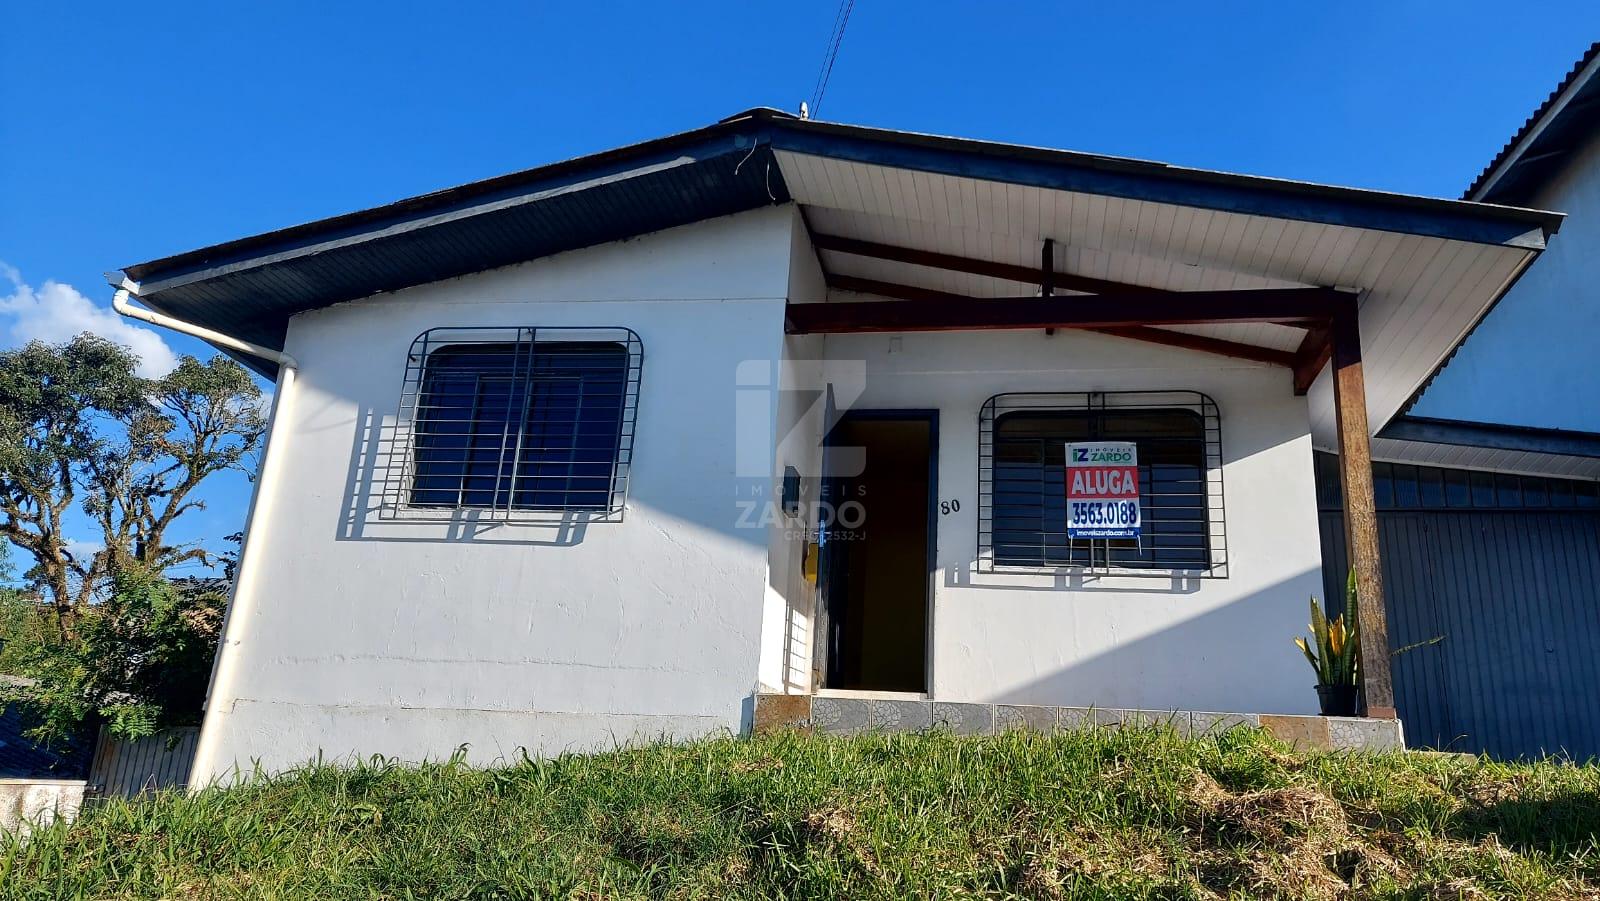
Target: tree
(104,635)
(137,660)
(53,402)
(78,425)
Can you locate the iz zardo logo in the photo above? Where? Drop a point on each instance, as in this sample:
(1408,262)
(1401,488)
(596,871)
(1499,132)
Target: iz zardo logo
(1100,455)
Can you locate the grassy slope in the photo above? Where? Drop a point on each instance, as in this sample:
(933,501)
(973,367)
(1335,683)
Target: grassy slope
(1090,814)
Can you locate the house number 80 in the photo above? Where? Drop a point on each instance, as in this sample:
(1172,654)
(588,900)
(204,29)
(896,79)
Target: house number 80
(948,507)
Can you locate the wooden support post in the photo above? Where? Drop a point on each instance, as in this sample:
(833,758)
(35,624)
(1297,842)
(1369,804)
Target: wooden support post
(1047,268)
(1047,273)
(1360,512)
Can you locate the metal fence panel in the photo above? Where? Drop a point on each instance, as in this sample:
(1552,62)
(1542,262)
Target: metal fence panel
(125,768)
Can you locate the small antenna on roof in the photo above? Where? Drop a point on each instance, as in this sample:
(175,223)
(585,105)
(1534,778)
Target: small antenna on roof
(805,111)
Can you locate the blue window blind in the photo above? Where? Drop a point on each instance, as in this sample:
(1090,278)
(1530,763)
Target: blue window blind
(525,425)
(1030,498)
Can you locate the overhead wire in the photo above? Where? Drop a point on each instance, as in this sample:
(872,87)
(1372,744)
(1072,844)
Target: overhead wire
(841,21)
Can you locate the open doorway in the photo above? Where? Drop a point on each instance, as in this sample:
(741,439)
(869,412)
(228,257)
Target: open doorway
(878,552)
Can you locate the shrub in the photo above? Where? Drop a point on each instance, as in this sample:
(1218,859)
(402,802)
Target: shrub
(138,661)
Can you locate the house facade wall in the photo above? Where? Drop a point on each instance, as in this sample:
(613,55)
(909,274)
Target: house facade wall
(1112,641)
(362,635)
(354,634)
(1520,366)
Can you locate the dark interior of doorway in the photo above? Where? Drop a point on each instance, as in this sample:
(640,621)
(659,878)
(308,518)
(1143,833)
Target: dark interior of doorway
(880,554)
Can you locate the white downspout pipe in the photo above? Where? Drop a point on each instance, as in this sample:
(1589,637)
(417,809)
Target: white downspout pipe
(130,288)
(242,596)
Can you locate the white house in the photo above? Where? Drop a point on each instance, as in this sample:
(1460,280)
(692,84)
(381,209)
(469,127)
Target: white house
(606,449)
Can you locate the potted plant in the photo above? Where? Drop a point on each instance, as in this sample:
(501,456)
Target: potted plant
(1336,655)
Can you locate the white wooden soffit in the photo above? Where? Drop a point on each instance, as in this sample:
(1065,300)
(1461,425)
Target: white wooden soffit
(1419,294)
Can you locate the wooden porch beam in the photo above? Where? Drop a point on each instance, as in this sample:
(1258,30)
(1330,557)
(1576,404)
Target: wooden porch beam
(1022,274)
(1313,354)
(890,289)
(1360,512)
(1220,346)
(921,310)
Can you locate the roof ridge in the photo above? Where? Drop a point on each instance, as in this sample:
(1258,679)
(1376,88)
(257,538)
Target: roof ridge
(1532,120)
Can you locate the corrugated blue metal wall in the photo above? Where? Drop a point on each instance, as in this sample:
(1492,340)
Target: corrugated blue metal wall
(1515,595)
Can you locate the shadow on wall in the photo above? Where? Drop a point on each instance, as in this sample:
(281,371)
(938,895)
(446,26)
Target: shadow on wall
(967,575)
(1239,441)
(375,484)
(1239,657)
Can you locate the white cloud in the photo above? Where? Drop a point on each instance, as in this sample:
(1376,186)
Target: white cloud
(56,312)
(83,550)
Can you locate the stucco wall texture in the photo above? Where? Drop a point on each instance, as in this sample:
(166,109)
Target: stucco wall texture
(1114,641)
(359,635)
(27,803)
(1520,365)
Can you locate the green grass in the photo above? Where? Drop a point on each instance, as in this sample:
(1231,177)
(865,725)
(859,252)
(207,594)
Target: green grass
(1086,814)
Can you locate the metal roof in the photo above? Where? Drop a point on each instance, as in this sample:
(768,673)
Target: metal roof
(22,758)
(1496,436)
(250,287)
(1538,149)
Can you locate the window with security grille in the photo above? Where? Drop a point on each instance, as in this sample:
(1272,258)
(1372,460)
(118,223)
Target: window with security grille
(1023,507)
(540,422)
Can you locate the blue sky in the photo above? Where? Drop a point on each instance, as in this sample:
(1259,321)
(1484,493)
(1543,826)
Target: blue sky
(131,131)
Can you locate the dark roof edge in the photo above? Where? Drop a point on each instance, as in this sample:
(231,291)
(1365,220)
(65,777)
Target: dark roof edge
(1481,222)
(1482,184)
(1534,123)
(444,199)
(1460,433)
(1550,221)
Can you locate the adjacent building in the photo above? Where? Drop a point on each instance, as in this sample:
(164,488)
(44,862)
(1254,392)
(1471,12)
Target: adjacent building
(1487,490)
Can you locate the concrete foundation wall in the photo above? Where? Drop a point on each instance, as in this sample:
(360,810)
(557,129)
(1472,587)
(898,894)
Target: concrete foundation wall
(25,803)
(856,716)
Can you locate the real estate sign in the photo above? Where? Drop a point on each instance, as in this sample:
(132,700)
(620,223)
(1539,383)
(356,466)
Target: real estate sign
(1102,490)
